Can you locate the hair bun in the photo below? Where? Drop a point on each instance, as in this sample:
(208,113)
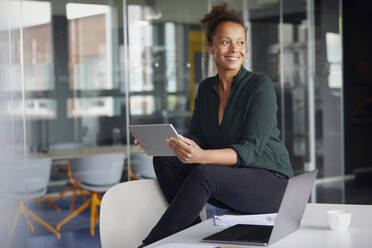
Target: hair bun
(219,13)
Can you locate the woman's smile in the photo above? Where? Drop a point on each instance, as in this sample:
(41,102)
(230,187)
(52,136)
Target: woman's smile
(232,58)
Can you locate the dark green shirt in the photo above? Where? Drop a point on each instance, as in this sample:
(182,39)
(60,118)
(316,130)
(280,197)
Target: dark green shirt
(249,123)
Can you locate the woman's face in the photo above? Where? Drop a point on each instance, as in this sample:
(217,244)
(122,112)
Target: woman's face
(228,46)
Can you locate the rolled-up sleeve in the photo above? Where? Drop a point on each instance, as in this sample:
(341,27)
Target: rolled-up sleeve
(258,125)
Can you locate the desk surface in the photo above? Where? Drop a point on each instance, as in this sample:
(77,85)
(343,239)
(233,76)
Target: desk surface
(313,231)
(84,152)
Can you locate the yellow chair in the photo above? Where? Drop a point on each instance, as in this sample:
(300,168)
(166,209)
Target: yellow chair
(30,179)
(95,174)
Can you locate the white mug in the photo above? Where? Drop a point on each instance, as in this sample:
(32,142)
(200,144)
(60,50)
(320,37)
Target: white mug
(338,219)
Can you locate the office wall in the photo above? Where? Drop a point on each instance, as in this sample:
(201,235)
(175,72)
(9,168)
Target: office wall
(358,74)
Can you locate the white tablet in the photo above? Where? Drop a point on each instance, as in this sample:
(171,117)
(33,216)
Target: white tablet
(153,138)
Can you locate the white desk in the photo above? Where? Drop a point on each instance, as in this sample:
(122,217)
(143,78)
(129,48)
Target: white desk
(84,152)
(313,232)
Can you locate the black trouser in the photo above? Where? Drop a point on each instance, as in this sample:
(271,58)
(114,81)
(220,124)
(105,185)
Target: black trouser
(188,187)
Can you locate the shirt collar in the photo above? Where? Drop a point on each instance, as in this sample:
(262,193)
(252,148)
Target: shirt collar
(236,79)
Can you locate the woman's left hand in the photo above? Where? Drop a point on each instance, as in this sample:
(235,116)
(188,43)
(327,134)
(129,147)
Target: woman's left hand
(187,151)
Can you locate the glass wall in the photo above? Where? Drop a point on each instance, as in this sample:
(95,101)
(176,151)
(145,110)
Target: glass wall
(74,86)
(296,43)
(74,74)
(12,117)
(167,60)
(63,95)
(74,92)
(78,57)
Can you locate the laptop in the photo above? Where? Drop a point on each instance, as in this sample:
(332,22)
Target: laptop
(287,221)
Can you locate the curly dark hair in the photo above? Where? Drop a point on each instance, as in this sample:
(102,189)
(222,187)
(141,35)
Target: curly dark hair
(220,13)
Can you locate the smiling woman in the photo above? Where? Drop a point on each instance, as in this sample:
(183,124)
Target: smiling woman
(232,156)
(226,36)
(228,48)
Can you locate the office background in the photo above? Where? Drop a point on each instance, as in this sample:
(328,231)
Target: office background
(78,72)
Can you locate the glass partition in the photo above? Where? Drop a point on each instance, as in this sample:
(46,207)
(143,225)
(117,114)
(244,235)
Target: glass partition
(298,45)
(328,100)
(72,73)
(62,88)
(12,117)
(166,60)
(76,73)
(90,48)
(285,39)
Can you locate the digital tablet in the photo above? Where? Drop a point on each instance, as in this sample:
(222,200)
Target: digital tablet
(153,138)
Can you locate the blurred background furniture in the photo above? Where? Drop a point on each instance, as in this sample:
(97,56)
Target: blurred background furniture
(141,166)
(128,212)
(67,151)
(59,172)
(61,164)
(31,177)
(95,174)
(86,151)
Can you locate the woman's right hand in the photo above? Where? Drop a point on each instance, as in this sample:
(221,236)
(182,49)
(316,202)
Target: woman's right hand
(138,143)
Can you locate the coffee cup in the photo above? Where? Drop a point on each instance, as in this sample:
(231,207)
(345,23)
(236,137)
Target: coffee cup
(338,220)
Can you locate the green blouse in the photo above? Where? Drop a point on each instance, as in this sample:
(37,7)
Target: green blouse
(249,124)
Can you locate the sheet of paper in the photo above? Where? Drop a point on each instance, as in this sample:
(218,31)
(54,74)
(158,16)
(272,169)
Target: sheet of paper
(184,245)
(255,219)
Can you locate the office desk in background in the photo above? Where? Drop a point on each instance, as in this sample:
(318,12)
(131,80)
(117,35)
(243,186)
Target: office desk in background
(313,231)
(84,152)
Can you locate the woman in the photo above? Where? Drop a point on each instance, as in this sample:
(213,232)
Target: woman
(233,157)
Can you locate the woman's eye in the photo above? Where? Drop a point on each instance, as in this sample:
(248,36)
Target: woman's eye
(225,42)
(241,43)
